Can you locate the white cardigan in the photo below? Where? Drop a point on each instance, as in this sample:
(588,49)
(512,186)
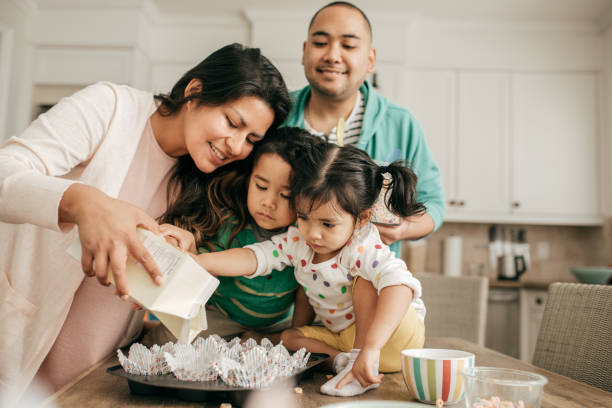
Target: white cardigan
(90,137)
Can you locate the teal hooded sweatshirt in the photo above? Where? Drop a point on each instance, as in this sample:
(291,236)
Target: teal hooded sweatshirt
(389,133)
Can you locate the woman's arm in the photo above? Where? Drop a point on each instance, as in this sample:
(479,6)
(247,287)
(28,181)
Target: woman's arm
(232,262)
(31,190)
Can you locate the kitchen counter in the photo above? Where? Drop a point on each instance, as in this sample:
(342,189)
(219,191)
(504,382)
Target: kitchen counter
(98,389)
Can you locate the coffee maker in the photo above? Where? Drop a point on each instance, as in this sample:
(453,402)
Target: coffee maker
(508,257)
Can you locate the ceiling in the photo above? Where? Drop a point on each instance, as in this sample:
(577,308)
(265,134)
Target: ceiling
(591,11)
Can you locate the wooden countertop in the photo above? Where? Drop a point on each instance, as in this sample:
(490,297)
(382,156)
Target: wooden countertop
(526,284)
(99,389)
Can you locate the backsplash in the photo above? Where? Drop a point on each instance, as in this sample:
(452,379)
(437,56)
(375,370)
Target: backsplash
(564,247)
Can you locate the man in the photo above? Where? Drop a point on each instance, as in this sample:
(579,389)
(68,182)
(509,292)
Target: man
(337,56)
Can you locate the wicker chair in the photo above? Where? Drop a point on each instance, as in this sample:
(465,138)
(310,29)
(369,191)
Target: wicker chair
(456,306)
(575,337)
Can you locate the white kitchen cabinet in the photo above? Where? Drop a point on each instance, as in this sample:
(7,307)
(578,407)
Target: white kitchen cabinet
(481,169)
(555,145)
(429,95)
(511,147)
(531,305)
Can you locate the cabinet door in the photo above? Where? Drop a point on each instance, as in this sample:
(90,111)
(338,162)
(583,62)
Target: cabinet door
(482,165)
(429,95)
(554,146)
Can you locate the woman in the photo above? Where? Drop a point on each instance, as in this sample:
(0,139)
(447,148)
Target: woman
(104,160)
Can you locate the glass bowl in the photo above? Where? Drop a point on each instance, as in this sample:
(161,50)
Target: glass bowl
(502,387)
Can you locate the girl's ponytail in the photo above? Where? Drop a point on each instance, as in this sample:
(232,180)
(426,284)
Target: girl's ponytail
(400,194)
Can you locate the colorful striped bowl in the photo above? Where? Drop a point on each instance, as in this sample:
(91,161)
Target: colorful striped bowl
(432,374)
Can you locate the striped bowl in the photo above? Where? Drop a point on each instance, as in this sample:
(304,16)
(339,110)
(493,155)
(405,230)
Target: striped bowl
(432,374)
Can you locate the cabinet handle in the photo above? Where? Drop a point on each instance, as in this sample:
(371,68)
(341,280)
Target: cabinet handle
(461,203)
(516,204)
(452,202)
(539,301)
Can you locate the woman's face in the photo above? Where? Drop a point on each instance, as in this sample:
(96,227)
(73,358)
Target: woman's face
(217,135)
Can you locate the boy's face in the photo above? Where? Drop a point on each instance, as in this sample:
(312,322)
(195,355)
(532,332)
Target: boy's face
(269,192)
(326,229)
(338,53)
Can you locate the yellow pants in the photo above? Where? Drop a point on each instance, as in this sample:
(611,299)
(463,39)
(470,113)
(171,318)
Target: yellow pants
(409,334)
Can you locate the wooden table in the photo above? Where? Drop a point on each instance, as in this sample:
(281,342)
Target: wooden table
(99,389)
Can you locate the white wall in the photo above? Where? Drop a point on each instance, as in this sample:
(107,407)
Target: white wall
(15,18)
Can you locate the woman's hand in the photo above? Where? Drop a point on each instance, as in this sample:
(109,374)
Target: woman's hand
(178,237)
(107,230)
(363,369)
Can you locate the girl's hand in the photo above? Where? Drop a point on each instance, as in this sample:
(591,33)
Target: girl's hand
(178,237)
(107,230)
(363,369)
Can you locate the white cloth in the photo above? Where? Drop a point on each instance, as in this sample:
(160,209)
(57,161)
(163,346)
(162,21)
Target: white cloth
(328,284)
(90,137)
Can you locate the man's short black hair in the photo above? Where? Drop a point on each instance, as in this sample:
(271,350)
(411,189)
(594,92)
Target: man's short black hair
(345,4)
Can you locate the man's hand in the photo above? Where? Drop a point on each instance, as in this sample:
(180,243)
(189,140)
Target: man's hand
(410,228)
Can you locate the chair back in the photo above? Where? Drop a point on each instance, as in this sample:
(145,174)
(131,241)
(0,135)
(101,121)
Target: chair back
(575,338)
(456,306)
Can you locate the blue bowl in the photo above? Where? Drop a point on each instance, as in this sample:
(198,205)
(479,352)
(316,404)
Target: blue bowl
(592,274)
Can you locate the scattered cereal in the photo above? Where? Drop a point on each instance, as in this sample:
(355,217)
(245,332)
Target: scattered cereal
(328,376)
(298,390)
(225,405)
(439,403)
(496,402)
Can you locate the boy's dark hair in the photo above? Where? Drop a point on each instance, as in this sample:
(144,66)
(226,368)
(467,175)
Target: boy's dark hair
(226,192)
(349,176)
(228,74)
(345,4)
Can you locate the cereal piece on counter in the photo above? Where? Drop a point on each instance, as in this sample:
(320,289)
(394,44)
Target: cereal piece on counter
(520,404)
(298,390)
(328,376)
(439,403)
(507,404)
(225,405)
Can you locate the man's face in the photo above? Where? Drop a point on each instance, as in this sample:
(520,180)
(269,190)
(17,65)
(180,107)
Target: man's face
(338,53)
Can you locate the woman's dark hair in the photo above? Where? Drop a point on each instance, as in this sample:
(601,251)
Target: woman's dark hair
(228,74)
(349,176)
(227,187)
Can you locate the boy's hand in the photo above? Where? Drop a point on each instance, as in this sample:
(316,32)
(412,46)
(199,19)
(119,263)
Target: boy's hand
(363,369)
(178,237)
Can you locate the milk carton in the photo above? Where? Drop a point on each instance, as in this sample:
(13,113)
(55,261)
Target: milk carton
(179,302)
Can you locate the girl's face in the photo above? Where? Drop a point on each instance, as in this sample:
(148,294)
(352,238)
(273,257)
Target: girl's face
(269,192)
(326,229)
(217,135)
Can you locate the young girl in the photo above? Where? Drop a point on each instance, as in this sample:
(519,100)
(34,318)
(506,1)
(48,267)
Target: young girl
(252,203)
(367,299)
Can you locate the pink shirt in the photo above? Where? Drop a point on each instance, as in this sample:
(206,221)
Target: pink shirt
(99,322)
